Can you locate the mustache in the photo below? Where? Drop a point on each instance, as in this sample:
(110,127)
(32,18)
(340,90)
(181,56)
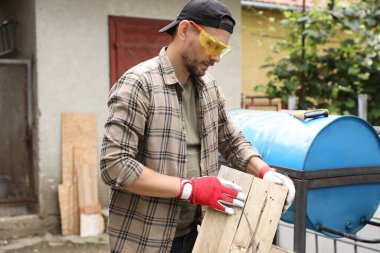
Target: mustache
(209,63)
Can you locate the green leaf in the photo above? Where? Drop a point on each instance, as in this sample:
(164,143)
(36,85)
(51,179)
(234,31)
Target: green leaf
(311,33)
(350,103)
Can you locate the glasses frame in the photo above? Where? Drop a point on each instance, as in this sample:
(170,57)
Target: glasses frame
(225,48)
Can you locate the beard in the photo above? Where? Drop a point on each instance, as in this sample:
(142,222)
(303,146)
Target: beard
(193,66)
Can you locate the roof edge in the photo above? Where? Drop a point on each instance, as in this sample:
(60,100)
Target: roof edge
(271,5)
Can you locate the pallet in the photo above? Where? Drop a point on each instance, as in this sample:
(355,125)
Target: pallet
(249,229)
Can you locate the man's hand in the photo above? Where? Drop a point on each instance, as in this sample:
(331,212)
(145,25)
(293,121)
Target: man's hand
(271,175)
(212,192)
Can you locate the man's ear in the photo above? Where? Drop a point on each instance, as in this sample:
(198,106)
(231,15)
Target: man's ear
(183,29)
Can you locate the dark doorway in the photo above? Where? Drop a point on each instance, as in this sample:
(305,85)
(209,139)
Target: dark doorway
(16,166)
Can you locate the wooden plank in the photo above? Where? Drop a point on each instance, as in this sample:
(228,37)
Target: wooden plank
(77,130)
(266,229)
(68,210)
(211,238)
(250,229)
(250,216)
(85,163)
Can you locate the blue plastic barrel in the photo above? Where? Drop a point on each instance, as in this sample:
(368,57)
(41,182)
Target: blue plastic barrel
(323,143)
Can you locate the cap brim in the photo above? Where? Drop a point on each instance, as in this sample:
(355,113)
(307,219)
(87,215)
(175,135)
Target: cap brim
(170,27)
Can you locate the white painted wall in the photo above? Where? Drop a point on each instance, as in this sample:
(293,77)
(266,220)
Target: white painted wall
(72,58)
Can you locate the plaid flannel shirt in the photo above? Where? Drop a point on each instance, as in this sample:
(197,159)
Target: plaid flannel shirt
(145,127)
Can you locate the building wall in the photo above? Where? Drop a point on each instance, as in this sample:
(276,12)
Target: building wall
(72,62)
(260,31)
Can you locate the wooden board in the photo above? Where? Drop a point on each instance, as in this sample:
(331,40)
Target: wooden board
(85,163)
(250,229)
(77,130)
(211,238)
(69,211)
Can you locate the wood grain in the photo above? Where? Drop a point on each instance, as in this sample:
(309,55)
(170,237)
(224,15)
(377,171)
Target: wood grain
(249,229)
(77,130)
(85,164)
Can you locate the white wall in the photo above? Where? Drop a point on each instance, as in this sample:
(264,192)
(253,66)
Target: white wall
(73,71)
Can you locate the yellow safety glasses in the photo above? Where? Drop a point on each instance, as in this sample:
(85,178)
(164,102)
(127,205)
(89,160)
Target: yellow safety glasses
(210,44)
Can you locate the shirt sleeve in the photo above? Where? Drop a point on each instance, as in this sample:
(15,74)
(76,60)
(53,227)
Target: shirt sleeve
(234,147)
(124,127)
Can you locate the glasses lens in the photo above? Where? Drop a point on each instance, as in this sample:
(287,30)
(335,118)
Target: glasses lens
(211,46)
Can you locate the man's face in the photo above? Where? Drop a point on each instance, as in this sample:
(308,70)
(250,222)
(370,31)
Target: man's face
(195,57)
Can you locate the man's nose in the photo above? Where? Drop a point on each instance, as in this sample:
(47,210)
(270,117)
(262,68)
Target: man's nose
(215,58)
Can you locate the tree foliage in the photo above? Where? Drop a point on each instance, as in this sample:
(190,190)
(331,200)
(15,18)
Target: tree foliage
(325,76)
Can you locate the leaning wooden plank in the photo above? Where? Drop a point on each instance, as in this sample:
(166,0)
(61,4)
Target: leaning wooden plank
(69,211)
(77,130)
(218,229)
(85,163)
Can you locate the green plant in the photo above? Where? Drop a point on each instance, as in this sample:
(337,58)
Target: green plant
(332,56)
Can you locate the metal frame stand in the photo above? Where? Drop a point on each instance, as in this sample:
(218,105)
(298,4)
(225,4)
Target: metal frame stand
(305,180)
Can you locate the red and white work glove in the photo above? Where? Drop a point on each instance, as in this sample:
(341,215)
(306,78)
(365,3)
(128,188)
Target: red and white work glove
(272,175)
(213,192)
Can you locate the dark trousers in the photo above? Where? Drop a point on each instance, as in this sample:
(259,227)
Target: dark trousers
(185,243)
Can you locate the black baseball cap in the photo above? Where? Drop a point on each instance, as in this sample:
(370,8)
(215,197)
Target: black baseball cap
(203,12)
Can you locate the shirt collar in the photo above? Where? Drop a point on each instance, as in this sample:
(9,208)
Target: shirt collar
(167,68)
(168,71)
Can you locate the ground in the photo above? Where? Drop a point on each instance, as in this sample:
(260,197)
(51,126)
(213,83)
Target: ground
(55,243)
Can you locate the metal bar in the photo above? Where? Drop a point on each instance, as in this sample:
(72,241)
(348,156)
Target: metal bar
(373,223)
(335,240)
(30,93)
(17,201)
(347,235)
(339,181)
(299,242)
(328,173)
(316,244)
(14,61)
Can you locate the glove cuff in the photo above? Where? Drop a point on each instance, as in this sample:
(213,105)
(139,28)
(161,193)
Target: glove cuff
(186,189)
(264,170)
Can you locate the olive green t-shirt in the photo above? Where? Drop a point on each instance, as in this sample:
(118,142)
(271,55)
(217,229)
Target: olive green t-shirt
(188,210)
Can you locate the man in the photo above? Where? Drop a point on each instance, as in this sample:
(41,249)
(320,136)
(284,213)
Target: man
(167,120)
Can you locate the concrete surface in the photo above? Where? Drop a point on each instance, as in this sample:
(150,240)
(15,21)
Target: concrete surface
(55,243)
